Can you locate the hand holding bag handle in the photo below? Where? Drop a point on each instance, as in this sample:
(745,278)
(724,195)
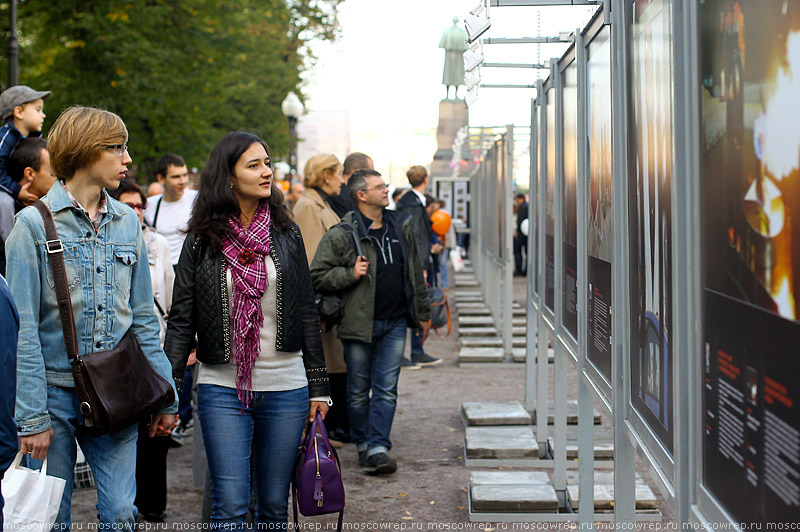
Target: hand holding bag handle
(32,498)
(318,488)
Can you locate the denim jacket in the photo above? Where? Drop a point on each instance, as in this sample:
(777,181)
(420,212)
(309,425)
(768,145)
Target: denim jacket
(109,284)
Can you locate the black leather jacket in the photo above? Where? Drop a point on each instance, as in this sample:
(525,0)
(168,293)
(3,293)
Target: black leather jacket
(200,305)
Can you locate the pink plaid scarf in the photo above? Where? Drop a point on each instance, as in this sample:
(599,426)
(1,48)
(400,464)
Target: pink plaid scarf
(246,251)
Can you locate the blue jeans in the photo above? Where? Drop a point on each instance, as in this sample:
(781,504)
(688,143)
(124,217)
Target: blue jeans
(416,344)
(112,458)
(375,367)
(267,433)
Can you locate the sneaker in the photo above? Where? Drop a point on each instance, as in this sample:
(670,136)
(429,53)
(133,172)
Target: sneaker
(407,364)
(362,458)
(176,438)
(187,429)
(380,464)
(425,360)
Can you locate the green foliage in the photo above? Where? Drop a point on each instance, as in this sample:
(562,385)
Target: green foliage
(180,73)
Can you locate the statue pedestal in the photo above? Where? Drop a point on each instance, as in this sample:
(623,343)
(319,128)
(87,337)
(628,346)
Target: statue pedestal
(453,115)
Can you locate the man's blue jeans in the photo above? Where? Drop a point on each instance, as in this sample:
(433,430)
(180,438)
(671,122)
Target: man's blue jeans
(112,458)
(267,433)
(375,367)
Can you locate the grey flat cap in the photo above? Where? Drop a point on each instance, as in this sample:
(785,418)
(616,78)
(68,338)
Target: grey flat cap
(18,95)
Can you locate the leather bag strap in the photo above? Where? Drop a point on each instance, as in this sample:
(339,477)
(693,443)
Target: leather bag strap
(55,250)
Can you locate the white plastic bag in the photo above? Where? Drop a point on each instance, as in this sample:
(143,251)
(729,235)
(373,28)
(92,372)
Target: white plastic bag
(31,497)
(456,260)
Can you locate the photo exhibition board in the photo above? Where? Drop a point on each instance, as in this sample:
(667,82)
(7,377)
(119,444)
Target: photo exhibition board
(599,242)
(569,246)
(750,186)
(650,219)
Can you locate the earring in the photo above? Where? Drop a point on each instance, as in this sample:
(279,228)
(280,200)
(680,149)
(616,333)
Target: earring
(231,186)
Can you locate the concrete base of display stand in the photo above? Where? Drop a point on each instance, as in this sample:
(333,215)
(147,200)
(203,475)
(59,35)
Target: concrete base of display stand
(487,321)
(477,331)
(529,496)
(505,413)
(516,446)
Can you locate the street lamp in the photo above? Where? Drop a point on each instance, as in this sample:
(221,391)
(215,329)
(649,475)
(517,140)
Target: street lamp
(293,108)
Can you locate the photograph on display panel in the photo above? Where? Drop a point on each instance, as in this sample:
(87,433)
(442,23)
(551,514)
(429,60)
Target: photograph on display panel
(651,279)
(750,179)
(570,208)
(599,241)
(549,205)
(533,218)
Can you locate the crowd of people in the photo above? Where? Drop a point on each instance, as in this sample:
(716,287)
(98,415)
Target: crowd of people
(221,287)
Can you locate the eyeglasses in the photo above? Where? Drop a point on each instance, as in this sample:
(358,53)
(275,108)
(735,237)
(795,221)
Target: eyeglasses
(121,149)
(382,186)
(135,206)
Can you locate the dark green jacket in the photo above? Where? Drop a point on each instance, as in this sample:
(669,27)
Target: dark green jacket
(332,272)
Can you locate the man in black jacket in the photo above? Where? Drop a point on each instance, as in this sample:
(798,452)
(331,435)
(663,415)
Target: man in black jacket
(413,203)
(343,203)
(520,239)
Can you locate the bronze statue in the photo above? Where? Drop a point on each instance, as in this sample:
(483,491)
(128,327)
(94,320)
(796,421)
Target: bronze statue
(454,42)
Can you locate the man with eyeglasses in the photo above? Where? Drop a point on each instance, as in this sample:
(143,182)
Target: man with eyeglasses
(169,213)
(108,280)
(371,258)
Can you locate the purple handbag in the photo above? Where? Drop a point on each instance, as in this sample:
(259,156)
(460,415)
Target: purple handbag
(317,488)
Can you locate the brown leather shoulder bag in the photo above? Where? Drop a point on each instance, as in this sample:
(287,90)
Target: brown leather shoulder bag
(118,387)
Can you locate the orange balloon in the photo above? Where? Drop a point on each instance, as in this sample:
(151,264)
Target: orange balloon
(441,222)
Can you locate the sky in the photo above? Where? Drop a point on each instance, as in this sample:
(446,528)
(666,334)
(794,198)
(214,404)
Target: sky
(386,71)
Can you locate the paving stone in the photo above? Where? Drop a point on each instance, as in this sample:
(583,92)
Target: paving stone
(480,354)
(471,305)
(602,451)
(475,321)
(519,312)
(481,341)
(518,331)
(604,497)
(600,477)
(477,331)
(495,413)
(572,413)
(497,478)
(518,341)
(468,293)
(501,442)
(467,299)
(466,284)
(518,354)
(514,498)
(474,311)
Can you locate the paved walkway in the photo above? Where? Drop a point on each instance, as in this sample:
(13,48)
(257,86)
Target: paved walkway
(429,490)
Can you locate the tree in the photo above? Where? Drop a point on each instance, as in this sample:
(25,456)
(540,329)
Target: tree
(181,74)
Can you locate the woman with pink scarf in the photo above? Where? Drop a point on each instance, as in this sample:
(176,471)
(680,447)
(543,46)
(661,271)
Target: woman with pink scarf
(243,287)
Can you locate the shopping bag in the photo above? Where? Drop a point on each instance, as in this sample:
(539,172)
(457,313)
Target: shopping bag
(456,260)
(31,497)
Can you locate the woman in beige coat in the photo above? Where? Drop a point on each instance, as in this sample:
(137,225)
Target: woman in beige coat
(323,178)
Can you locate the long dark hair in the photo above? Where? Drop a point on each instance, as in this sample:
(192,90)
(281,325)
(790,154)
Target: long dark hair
(215,202)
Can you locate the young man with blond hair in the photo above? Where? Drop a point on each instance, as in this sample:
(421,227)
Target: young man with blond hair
(109,279)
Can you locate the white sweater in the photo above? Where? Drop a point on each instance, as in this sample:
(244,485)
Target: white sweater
(273,371)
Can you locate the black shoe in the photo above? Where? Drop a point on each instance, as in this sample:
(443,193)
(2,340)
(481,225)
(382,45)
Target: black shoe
(362,458)
(407,364)
(380,464)
(425,360)
(339,435)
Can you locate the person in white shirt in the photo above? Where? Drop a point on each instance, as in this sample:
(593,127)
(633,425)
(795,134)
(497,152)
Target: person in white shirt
(169,213)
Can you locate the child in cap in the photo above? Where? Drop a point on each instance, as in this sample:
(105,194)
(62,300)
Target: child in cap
(21,108)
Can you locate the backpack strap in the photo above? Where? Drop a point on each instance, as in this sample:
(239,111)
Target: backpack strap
(158,207)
